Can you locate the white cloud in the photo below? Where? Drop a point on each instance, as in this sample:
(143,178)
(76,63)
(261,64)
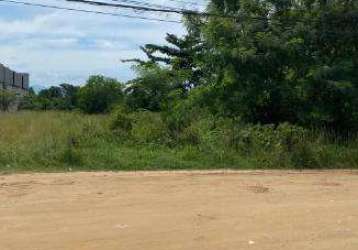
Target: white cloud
(61,46)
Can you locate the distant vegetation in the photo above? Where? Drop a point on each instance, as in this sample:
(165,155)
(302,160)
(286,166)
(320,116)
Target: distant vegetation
(258,84)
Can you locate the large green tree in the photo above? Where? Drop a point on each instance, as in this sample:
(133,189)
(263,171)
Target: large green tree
(274,61)
(100,94)
(150,89)
(268,61)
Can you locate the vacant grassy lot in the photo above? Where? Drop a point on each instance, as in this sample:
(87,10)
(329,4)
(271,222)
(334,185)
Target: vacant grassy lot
(60,141)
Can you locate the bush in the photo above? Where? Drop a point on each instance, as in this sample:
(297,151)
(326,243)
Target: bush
(275,146)
(284,136)
(7,99)
(121,123)
(99,95)
(71,156)
(303,156)
(148,127)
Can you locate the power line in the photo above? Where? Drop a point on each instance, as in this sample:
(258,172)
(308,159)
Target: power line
(126,6)
(150,9)
(89,11)
(145,3)
(186,2)
(140,8)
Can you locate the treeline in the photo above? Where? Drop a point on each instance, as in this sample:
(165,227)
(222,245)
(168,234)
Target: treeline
(260,62)
(99,95)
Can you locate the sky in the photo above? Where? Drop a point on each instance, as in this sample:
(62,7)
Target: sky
(57,46)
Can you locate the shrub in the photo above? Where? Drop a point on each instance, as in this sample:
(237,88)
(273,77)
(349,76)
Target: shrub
(269,137)
(121,123)
(99,95)
(71,156)
(303,156)
(148,127)
(276,146)
(6,99)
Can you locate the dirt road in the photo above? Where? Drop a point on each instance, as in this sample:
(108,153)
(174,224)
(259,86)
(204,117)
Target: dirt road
(167,211)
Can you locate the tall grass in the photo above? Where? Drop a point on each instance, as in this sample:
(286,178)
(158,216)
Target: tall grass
(46,140)
(61,141)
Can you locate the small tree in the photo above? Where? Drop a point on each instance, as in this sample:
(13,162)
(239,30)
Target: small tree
(6,100)
(151,88)
(99,95)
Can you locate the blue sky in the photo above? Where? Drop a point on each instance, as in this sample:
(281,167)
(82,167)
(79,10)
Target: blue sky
(57,46)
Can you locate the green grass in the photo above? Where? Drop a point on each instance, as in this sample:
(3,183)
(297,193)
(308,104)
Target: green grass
(60,141)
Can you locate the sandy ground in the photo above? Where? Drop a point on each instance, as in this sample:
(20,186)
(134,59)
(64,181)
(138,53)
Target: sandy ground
(180,210)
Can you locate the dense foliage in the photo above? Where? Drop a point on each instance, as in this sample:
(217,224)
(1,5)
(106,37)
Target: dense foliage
(269,62)
(261,77)
(292,61)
